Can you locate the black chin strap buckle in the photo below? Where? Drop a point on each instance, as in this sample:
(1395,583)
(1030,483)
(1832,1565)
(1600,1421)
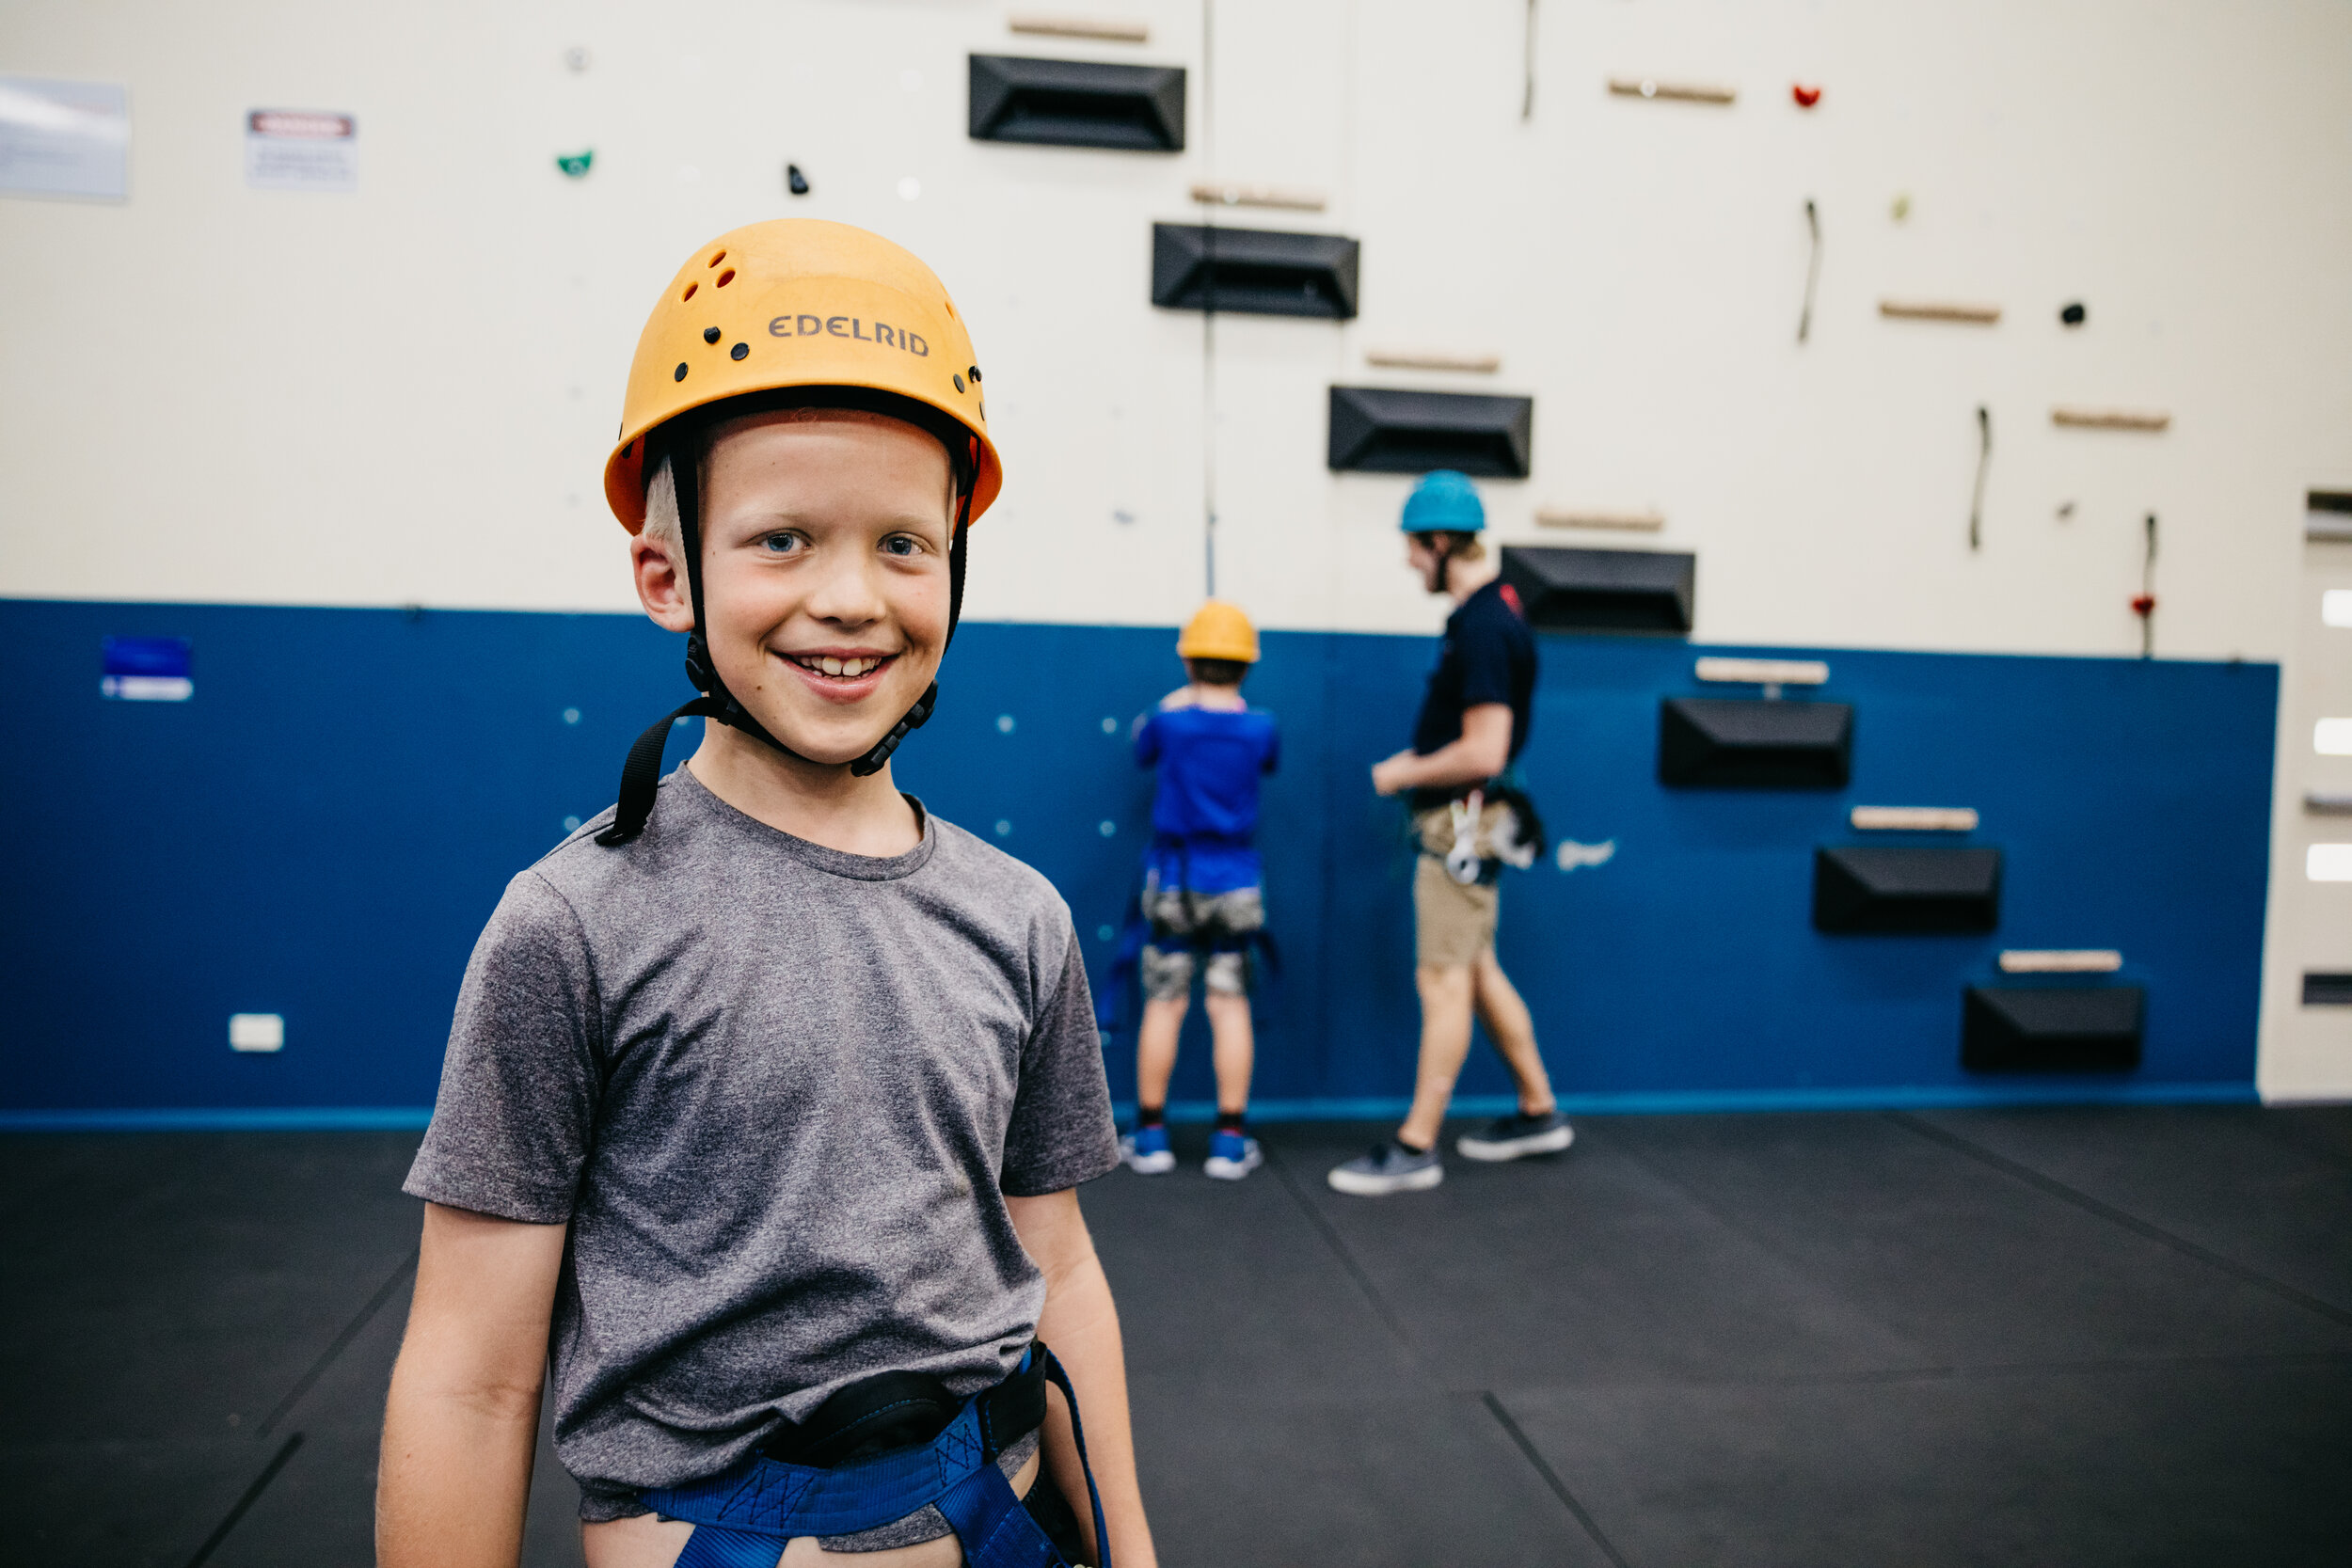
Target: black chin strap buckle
(916,717)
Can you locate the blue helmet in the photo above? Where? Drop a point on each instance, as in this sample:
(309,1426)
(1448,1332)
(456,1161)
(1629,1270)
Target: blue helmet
(1444,502)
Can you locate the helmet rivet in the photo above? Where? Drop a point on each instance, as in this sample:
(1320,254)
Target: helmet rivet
(711,334)
(739,351)
(680,376)
(959,381)
(975,373)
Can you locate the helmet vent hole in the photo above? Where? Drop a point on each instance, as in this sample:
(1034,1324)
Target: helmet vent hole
(725,279)
(716,259)
(689,293)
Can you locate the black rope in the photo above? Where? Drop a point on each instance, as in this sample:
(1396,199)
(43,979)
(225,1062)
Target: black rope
(1984,461)
(1812,269)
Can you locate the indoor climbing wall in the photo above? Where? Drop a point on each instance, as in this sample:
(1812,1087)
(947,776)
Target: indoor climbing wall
(1908,342)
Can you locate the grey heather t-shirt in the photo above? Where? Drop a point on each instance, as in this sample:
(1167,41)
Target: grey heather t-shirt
(779,1093)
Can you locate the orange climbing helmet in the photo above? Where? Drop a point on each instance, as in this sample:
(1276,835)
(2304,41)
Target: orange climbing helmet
(754,317)
(792,303)
(1219,630)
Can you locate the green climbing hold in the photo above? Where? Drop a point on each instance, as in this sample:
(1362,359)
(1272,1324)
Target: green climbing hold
(575,163)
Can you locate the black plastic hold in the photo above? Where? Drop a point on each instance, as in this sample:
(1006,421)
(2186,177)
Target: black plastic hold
(1914,890)
(794,180)
(1383,429)
(2074,314)
(1748,743)
(1129,108)
(1259,272)
(2051,1028)
(1626,591)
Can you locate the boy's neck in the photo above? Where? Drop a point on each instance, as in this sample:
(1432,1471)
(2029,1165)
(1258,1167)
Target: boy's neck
(1465,577)
(1205,695)
(822,804)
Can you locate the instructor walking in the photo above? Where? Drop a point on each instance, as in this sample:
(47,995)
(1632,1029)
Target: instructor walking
(1473,722)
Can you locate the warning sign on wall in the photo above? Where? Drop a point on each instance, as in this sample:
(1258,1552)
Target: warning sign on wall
(301,149)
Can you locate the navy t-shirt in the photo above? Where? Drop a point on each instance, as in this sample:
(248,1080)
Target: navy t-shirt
(1210,762)
(1488,656)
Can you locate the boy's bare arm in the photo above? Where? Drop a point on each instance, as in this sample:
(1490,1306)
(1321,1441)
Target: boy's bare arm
(463,1414)
(1080,1324)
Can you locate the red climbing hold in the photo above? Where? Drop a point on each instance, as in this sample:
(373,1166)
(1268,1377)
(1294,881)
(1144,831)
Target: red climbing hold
(2144,605)
(1805,97)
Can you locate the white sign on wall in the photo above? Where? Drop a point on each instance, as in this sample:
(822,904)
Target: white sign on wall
(301,149)
(64,138)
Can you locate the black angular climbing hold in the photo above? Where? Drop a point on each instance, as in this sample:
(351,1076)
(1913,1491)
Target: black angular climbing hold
(711,334)
(2074,314)
(1748,743)
(1627,591)
(1262,272)
(1130,108)
(680,373)
(1387,429)
(1911,889)
(794,180)
(2051,1029)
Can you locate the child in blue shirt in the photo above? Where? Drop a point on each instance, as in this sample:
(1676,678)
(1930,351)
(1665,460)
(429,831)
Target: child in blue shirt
(1202,888)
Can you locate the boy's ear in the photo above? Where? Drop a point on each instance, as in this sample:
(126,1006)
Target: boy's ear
(661,587)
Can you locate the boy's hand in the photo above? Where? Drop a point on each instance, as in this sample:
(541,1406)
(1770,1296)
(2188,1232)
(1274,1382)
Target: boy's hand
(1181,697)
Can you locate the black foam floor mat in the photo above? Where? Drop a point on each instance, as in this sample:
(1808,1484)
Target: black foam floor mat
(1948,1339)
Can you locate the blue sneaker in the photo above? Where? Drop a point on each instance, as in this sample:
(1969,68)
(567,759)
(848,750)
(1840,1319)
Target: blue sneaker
(1146,1151)
(1233,1156)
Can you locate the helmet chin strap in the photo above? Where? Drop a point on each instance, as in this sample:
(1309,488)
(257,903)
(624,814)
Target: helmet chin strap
(1440,558)
(641,775)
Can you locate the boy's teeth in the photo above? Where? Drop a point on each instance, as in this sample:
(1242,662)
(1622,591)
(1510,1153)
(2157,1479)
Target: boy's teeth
(831,666)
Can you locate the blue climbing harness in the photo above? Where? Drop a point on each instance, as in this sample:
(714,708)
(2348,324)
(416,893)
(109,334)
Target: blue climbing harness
(743,1515)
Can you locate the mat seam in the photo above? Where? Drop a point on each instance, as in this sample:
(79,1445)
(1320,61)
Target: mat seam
(1331,1238)
(252,1495)
(1551,1478)
(341,1343)
(2113,1215)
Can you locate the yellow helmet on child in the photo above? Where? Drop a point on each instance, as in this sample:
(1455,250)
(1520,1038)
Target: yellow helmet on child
(1219,630)
(793,303)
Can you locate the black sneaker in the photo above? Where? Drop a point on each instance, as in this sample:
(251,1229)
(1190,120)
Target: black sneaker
(1517,1136)
(1391,1167)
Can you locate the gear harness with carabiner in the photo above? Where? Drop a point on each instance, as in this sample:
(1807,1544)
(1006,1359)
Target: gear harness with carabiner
(744,1515)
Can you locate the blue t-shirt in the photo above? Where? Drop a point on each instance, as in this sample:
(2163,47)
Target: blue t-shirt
(1205,817)
(1488,656)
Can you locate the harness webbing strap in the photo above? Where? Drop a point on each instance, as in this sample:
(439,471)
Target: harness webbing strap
(710,1546)
(641,775)
(761,1504)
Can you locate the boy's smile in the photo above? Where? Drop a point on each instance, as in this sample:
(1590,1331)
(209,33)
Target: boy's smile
(825,569)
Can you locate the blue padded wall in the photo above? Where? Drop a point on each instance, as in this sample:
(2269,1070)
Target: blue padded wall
(322,829)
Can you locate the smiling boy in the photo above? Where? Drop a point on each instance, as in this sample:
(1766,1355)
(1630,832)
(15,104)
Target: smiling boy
(768,1092)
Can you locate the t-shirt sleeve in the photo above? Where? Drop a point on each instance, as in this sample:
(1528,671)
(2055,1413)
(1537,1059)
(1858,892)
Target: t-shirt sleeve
(509,1127)
(1148,740)
(1484,648)
(1061,1132)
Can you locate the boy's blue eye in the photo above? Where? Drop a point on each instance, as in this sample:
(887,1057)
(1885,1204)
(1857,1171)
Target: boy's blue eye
(779,543)
(900,543)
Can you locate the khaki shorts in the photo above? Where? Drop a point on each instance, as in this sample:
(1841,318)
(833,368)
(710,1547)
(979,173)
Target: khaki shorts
(1453,924)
